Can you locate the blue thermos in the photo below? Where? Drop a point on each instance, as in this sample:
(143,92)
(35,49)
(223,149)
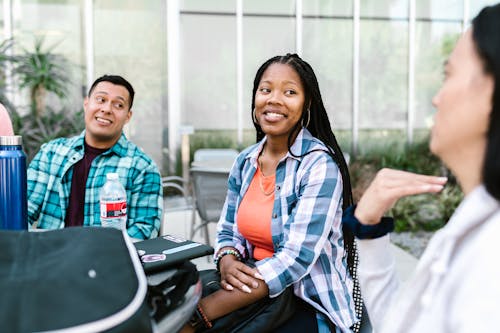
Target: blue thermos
(13,184)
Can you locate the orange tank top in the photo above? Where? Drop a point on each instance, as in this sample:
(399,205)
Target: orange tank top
(254,215)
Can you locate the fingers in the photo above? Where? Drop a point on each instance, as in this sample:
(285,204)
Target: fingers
(390,185)
(242,281)
(251,272)
(389,178)
(241,277)
(241,286)
(395,191)
(226,285)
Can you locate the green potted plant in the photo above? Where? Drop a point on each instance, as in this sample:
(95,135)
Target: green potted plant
(42,71)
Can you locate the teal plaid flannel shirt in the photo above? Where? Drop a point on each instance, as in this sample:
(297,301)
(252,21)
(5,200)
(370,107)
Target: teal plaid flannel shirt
(49,185)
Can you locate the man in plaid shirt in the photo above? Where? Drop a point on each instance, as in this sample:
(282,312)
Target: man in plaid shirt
(66,175)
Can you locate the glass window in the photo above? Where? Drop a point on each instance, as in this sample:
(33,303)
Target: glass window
(327,8)
(208,73)
(331,58)
(383,74)
(265,7)
(2,23)
(264,38)
(214,6)
(440,10)
(135,49)
(434,43)
(392,9)
(477,5)
(59,24)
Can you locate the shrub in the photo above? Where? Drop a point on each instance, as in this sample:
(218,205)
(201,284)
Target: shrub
(43,71)
(421,212)
(53,124)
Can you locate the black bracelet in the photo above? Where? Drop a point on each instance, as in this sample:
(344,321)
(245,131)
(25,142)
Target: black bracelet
(363,231)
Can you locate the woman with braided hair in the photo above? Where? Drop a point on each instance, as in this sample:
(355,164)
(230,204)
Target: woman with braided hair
(283,210)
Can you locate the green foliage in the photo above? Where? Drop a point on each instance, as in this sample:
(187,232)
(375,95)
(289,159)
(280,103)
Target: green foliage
(53,124)
(427,211)
(415,158)
(206,139)
(210,139)
(448,44)
(421,212)
(42,71)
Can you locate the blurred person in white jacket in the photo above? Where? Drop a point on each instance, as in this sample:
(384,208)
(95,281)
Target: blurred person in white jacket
(456,285)
(5,123)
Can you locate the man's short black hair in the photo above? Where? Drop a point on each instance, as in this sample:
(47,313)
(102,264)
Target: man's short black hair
(118,80)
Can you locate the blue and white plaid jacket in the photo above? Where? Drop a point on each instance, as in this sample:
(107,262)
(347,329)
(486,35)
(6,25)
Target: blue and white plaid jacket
(49,185)
(306,228)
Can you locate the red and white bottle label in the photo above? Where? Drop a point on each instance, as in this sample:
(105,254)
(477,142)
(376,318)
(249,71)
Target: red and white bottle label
(111,209)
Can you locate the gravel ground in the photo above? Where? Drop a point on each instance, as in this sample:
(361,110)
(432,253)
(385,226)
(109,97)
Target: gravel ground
(412,242)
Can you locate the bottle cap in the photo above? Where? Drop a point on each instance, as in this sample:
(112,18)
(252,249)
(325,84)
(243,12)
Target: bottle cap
(112,176)
(14,140)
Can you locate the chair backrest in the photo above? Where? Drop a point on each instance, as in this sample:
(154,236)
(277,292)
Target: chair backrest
(206,154)
(210,189)
(177,197)
(179,187)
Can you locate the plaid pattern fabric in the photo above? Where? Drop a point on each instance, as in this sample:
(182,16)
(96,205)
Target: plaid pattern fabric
(49,185)
(306,228)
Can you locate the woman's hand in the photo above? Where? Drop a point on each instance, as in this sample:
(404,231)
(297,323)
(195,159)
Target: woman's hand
(389,186)
(235,274)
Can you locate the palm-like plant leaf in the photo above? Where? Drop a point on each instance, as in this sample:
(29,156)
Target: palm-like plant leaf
(38,130)
(41,71)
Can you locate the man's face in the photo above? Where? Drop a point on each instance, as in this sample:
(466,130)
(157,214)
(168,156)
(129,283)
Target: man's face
(107,110)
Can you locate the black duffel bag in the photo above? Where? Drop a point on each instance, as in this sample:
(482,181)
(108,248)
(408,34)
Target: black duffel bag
(81,279)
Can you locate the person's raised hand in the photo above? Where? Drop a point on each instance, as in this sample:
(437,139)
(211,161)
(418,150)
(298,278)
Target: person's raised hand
(235,274)
(389,186)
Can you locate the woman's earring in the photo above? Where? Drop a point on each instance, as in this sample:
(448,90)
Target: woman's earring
(254,117)
(308,118)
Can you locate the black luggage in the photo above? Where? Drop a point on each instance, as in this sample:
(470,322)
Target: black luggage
(82,279)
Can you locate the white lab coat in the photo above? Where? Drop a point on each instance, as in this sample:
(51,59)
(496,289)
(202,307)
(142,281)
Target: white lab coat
(456,284)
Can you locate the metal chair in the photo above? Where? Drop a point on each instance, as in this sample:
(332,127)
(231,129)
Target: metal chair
(210,189)
(177,196)
(209,154)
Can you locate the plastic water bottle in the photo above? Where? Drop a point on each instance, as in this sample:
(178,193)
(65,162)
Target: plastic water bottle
(13,184)
(113,201)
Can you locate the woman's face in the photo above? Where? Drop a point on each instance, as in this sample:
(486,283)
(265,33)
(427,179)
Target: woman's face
(279,100)
(463,104)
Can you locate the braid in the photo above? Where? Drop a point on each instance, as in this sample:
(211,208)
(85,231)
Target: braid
(318,128)
(315,116)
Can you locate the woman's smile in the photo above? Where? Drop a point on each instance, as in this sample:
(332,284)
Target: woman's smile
(279,101)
